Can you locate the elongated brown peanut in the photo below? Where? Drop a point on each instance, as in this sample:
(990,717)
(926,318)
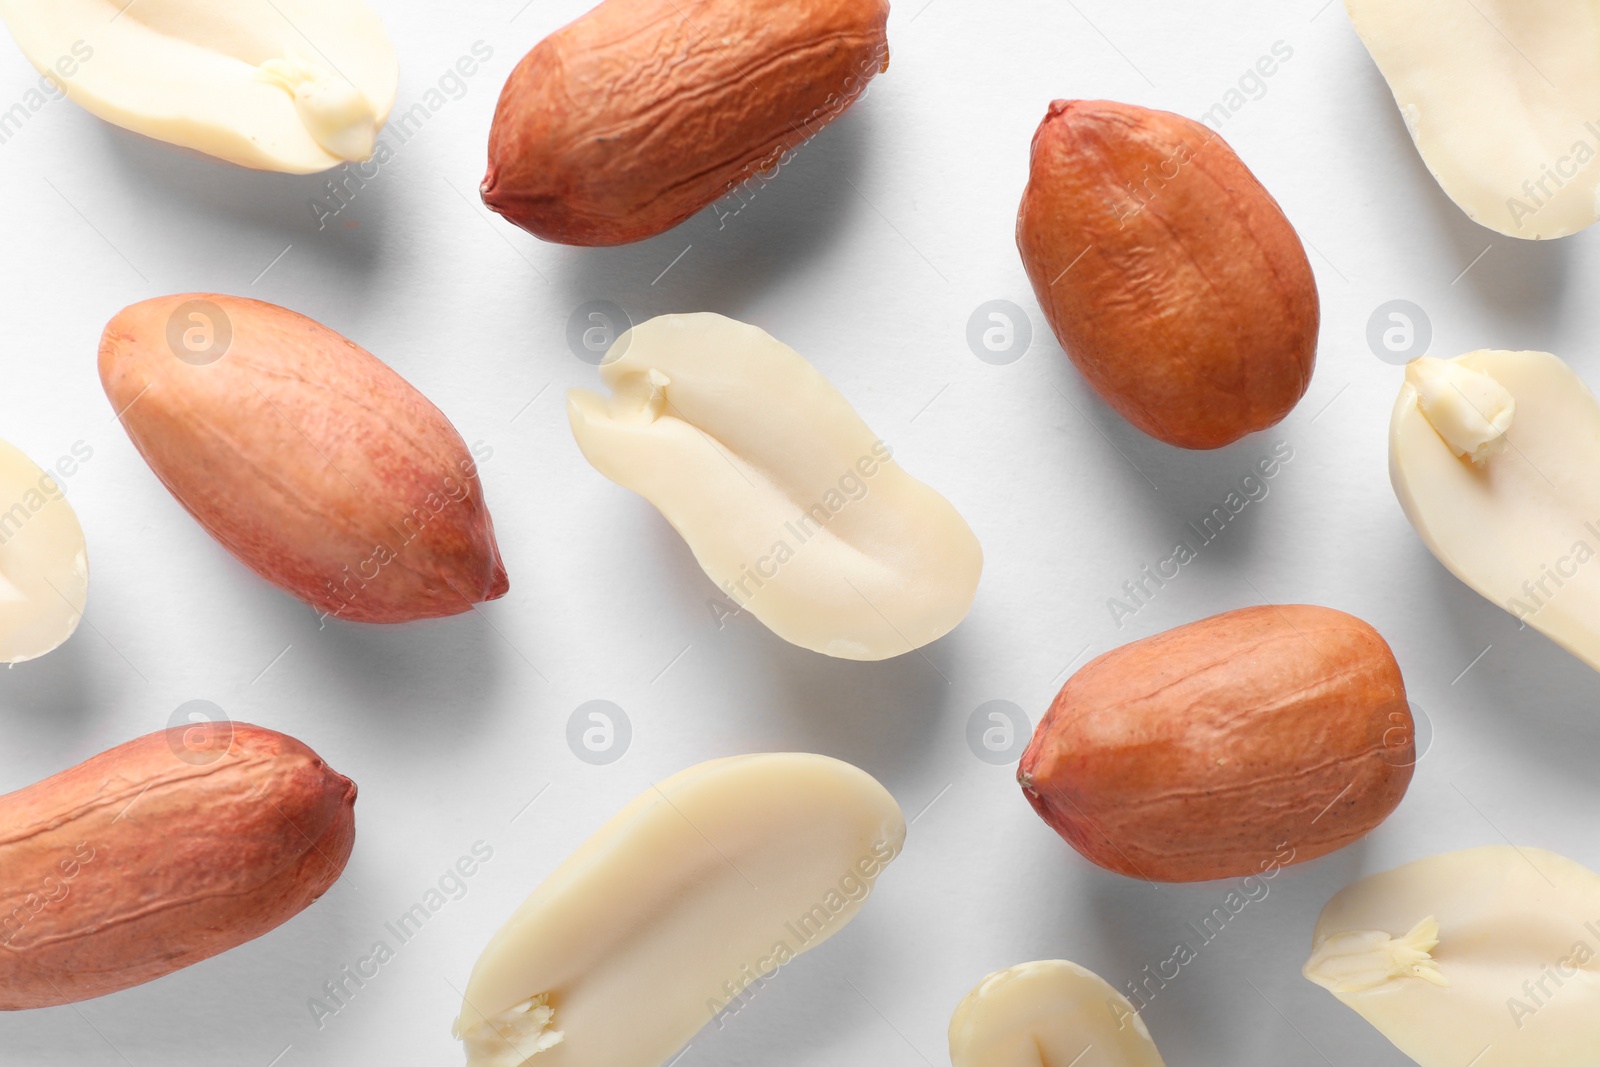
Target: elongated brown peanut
(642,112)
(1228,747)
(161,853)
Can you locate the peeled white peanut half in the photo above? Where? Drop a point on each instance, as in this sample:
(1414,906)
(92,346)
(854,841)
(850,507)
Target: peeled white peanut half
(44,566)
(1503,100)
(678,911)
(791,505)
(1488,957)
(287,85)
(1495,458)
(1049,1014)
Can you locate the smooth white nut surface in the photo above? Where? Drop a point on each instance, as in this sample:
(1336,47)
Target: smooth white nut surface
(792,506)
(287,85)
(1049,1014)
(1488,957)
(1521,524)
(1503,100)
(678,911)
(44,566)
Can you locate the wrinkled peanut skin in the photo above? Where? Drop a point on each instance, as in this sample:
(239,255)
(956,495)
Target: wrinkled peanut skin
(1192,311)
(310,460)
(137,862)
(642,112)
(1227,747)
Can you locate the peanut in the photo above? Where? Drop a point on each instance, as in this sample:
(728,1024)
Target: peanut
(1225,748)
(316,465)
(161,853)
(1169,274)
(643,112)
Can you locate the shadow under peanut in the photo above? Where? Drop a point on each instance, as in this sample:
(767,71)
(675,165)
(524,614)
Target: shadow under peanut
(1521,283)
(764,693)
(1190,953)
(423,686)
(1179,494)
(1526,691)
(809,1004)
(53,693)
(741,249)
(193,198)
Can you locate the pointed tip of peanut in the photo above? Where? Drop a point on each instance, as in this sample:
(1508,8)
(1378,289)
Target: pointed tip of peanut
(499,585)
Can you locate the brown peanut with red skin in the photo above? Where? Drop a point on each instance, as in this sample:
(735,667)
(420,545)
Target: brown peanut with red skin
(310,460)
(1225,747)
(1168,273)
(633,118)
(139,861)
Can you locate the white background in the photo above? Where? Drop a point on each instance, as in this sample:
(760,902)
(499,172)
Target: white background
(868,254)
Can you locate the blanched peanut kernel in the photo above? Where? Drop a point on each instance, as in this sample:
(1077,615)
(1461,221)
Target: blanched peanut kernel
(1520,522)
(678,911)
(44,566)
(1049,1014)
(297,86)
(1489,956)
(789,502)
